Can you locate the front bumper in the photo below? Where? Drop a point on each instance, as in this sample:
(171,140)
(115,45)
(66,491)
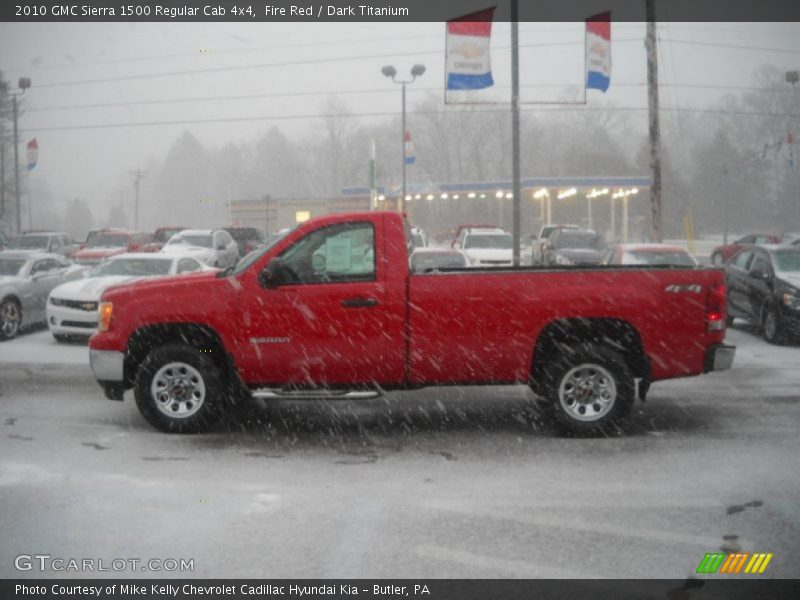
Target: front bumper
(719,357)
(66,320)
(107,365)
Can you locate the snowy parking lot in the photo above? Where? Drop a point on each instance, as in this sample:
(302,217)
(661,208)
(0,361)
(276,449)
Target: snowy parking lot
(448,482)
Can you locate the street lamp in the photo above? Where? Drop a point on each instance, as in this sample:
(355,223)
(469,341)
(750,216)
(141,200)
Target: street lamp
(24,84)
(390,72)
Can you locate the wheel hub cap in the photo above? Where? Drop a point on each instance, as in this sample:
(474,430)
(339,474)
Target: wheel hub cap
(178,390)
(587,392)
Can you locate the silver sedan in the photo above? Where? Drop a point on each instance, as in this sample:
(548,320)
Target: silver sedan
(26,280)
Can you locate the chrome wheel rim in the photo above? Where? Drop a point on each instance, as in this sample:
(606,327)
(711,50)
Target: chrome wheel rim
(587,392)
(9,319)
(178,390)
(770,325)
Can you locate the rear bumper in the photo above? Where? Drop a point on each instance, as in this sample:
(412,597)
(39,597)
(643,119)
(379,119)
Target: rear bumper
(719,357)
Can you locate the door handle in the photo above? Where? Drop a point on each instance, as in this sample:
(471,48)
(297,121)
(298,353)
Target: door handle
(359,302)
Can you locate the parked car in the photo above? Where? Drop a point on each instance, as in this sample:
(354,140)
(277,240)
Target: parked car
(486,246)
(722,254)
(419,239)
(160,237)
(247,238)
(649,254)
(423,260)
(26,278)
(462,228)
(52,242)
(212,247)
(764,288)
(790,237)
(285,324)
(72,307)
(111,242)
(539,241)
(567,246)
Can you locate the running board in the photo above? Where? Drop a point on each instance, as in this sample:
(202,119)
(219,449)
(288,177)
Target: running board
(270,393)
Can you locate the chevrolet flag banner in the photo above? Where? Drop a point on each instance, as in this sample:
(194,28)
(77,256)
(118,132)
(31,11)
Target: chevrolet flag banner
(598,51)
(468,63)
(33,154)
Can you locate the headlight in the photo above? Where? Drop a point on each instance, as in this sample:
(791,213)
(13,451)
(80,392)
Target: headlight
(104,315)
(791,301)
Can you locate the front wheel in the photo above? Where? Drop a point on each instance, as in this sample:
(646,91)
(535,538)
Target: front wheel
(590,388)
(178,390)
(10,319)
(772,326)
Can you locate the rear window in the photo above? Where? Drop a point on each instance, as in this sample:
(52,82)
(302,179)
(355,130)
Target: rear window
(431,261)
(499,241)
(658,258)
(106,240)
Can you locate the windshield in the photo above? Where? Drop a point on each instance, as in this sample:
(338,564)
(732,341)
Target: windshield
(106,240)
(244,234)
(787,261)
(500,241)
(583,240)
(29,242)
(658,258)
(133,266)
(164,235)
(203,240)
(11,266)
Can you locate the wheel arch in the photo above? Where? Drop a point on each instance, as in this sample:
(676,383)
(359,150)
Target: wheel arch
(199,336)
(616,334)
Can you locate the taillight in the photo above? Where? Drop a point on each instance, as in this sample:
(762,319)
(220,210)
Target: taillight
(716,311)
(104,315)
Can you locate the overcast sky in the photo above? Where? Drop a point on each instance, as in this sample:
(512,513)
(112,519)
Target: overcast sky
(78,64)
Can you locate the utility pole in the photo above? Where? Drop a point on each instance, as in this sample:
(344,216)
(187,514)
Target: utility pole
(656,230)
(138,175)
(2,179)
(16,167)
(515,166)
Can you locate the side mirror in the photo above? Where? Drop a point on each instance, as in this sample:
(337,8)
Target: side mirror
(273,275)
(221,246)
(764,275)
(38,275)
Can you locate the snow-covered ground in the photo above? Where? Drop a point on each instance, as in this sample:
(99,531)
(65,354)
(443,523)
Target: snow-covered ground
(440,482)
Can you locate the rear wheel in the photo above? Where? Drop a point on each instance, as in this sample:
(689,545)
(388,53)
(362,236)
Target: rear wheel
(591,389)
(10,319)
(178,390)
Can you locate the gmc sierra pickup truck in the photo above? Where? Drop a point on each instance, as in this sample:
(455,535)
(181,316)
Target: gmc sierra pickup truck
(332,309)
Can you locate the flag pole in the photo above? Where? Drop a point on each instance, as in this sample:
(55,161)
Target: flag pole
(515,166)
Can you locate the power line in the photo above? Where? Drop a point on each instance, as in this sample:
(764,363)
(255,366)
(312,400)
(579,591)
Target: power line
(381,90)
(394,114)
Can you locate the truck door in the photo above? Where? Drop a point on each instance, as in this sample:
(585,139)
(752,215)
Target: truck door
(328,323)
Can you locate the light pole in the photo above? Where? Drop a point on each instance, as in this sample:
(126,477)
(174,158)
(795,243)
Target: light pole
(416,71)
(24,84)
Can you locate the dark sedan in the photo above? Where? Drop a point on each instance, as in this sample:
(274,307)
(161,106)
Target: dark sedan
(722,254)
(764,288)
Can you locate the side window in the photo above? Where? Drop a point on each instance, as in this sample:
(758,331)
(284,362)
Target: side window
(748,239)
(742,260)
(44,266)
(760,264)
(761,239)
(336,254)
(187,265)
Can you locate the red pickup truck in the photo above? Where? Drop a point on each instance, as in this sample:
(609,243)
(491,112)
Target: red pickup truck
(332,309)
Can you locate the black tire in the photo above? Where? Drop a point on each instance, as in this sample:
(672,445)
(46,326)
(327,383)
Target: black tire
(184,373)
(771,326)
(607,398)
(10,319)
(729,321)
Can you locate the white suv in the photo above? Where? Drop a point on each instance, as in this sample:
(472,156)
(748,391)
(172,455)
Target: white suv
(486,246)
